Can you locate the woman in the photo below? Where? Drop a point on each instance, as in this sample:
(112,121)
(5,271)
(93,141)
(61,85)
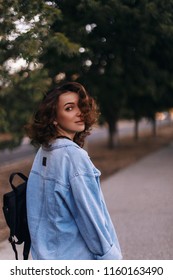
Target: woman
(67,215)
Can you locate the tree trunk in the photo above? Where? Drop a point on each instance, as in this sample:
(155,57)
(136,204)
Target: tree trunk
(154,128)
(113,134)
(136,129)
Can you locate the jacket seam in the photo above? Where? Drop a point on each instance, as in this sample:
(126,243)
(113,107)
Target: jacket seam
(50,179)
(74,167)
(76,172)
(55,147)
(82,174)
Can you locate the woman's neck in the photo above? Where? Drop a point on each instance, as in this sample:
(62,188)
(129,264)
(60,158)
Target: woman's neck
(64,136)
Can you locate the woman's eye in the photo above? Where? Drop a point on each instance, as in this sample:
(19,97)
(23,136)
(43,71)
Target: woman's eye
(68,108)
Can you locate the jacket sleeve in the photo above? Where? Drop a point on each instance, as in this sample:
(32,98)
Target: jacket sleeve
(88,212)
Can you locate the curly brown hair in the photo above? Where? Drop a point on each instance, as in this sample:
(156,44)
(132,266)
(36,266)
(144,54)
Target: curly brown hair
(41,129)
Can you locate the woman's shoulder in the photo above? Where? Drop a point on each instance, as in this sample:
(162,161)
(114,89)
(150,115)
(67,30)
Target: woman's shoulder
(81,161)
(67,148)
(76,151)
(76,158)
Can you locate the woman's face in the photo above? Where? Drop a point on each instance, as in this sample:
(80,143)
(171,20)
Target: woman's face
(69,117)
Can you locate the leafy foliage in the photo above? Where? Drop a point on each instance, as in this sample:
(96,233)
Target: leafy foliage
(120,49)
(26,34)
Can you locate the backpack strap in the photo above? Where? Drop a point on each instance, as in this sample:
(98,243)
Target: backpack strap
(26,249)
(13,244)
(21,175)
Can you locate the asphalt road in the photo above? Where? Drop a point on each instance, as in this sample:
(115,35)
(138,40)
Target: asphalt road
(140,200)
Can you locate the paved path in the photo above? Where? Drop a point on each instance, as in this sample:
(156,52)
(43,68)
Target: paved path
(140,201)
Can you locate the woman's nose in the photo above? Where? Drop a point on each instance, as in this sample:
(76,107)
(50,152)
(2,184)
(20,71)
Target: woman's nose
(79,112)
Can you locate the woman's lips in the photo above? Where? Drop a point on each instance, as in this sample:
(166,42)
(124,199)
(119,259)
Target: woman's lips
(79,122)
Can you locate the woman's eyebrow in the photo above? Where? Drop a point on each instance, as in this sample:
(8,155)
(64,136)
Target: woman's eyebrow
(71,103)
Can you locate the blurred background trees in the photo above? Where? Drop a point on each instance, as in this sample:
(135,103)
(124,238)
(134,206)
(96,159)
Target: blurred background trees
(120,50)
(26,34)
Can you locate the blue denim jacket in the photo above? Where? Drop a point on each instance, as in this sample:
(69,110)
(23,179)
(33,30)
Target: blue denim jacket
(67,215)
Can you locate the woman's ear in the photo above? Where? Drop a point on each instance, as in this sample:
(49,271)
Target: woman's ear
(55,123)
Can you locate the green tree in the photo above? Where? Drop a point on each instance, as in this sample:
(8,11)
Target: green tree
(26,35)
(152,77)
(92,24)
(120,61)
(120,49)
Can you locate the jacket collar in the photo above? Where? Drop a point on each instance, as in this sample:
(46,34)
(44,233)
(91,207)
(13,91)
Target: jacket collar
(59,143)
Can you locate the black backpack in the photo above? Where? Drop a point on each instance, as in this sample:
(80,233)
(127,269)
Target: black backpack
(14,208)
